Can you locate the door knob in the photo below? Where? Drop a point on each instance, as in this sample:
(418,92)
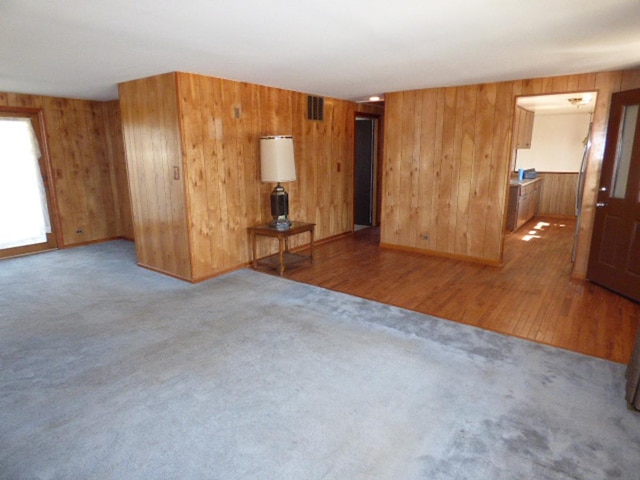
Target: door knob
(601,204)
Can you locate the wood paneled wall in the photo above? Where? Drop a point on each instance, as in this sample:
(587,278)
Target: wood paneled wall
(119,181)
(447,157)
(151,128)
(222,122)
(443,190)
(558,194)
(370,109)
(78,137)
(219,123)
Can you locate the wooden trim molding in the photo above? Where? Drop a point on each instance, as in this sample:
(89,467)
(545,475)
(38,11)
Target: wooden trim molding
(435,253)
(38,121)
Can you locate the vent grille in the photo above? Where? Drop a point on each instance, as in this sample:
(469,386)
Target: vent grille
(315,108)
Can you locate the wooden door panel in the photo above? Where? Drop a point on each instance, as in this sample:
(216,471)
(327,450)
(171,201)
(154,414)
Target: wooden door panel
(611,229)
(614,261)
(633,260)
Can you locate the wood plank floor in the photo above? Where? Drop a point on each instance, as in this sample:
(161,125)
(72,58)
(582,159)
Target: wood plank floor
(531,296)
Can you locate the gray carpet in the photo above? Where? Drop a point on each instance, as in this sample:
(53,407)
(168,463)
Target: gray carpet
(110,371)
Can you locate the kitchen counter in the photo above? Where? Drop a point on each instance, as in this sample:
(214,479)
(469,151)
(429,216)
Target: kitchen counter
(527,181)
(523,201)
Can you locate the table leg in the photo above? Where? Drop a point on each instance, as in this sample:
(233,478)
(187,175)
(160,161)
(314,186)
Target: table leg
(254,259)
(281,267)
(311,245)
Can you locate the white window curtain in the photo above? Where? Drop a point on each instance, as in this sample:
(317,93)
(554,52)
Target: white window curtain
(24,215)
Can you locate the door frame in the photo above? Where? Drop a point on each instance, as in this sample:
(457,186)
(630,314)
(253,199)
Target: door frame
(36,115)
(377,166)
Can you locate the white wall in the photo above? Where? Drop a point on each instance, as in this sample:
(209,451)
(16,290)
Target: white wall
(556,143)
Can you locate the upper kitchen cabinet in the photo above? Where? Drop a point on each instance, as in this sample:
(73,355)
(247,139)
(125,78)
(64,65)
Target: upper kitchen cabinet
(523,127)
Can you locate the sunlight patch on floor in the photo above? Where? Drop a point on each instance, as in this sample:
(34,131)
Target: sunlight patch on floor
(536,230)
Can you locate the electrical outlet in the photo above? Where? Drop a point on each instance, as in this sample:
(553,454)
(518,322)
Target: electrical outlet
(424,236)
(79,231)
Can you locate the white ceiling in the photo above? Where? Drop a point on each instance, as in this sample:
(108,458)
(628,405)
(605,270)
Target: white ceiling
(342,48)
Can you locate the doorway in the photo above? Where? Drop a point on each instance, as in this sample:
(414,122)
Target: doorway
(26,203)
(556,146)
(366,172)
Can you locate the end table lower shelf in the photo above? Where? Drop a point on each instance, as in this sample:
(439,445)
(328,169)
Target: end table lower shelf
(284,257)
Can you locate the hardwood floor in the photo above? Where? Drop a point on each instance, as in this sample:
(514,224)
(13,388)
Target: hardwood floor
(531,296)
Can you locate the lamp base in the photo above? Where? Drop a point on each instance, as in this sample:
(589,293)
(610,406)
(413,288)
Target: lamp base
(281,223)
(280,208)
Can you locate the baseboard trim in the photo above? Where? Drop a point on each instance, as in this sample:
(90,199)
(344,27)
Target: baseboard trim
(164,272)
(242,265)
(556,215)
(93,242)
(434,253)
(330,239)
(220,272)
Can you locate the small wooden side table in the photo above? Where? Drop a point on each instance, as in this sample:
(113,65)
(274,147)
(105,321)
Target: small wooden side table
(283,256)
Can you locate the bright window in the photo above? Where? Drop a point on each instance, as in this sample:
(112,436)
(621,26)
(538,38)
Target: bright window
(24,217)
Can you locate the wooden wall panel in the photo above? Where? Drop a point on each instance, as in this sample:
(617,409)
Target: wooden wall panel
(221,124)
(438,169)
(392,159)
(500,171)
(370,109)
(77,138)
(118,169)
(150,122)
(558,194)
(83,184)
(463,163)
(606,84)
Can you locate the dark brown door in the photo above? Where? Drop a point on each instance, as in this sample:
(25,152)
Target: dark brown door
(614,261)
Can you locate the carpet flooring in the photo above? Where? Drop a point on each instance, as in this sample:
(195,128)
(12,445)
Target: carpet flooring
(110,371)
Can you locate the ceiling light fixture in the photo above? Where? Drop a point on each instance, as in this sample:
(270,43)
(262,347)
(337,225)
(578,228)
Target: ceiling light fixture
(374,98)
(580,101)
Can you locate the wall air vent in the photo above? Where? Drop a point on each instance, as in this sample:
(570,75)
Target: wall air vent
(315,108)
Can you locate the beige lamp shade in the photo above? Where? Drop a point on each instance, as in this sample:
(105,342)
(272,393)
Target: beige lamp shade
(277,163)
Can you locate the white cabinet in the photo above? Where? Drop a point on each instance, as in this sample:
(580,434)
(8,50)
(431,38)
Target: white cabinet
(523,127)
(523,202)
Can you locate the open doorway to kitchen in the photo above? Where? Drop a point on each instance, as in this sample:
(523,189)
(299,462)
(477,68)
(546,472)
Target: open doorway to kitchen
(551,142)
(27,208)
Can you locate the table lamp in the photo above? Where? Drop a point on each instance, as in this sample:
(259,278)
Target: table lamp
(277,165)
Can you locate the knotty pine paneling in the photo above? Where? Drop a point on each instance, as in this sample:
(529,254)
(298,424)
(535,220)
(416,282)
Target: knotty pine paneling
(221,123)
(151,130)
(84,186)
(118,171)
(442,190)
(456,141)
(558,194)
(77,139)
(370,109)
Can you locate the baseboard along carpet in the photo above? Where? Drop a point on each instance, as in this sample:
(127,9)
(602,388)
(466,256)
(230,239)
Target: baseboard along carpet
(110,371)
